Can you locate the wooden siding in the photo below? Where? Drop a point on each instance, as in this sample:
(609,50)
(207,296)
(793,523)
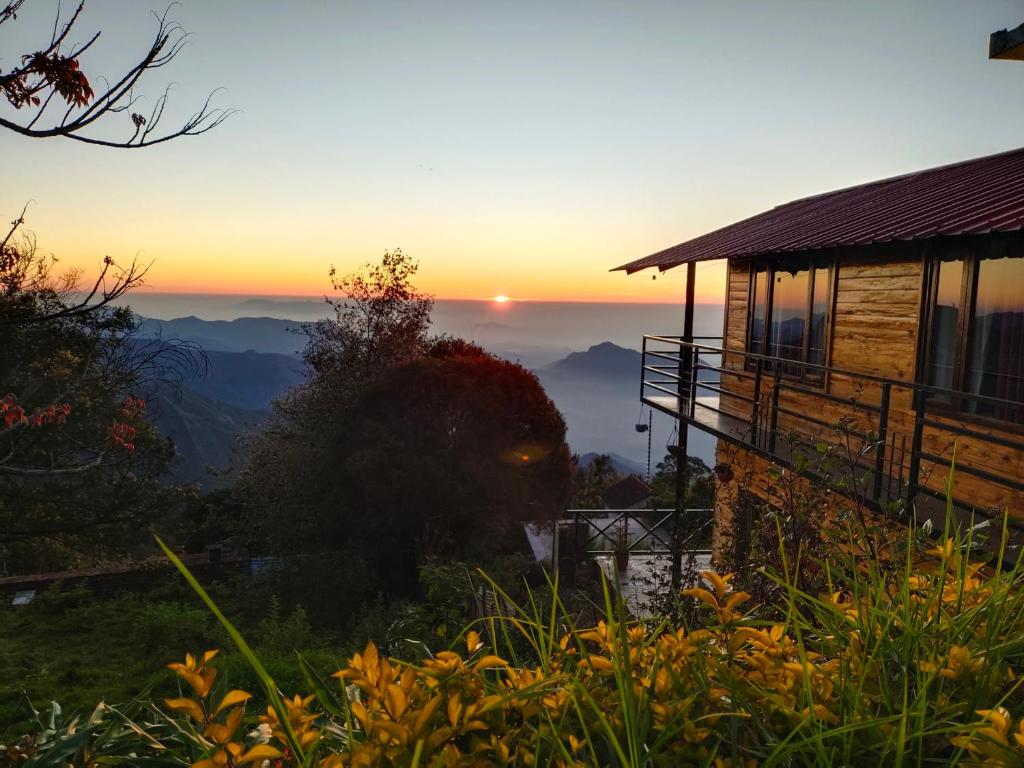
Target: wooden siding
(875,317)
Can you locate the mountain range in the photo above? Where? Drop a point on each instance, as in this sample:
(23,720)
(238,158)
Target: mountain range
(252,361)
(260,334)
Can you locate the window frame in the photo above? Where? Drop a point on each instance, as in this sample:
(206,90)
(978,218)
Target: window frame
(814,263)
(971,257)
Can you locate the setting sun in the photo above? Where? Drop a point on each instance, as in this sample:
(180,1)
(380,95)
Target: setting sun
(501,299)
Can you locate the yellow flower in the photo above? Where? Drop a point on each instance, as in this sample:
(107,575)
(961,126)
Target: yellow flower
(189,706)
(959,664)
(1000,724)
(300,719)
(196,673)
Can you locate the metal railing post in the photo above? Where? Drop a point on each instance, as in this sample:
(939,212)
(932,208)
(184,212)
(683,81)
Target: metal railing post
(755,414)
(883,431)
(914,474)
(694,373)
(643,368)
(577,555)
(685,372)
(774,423)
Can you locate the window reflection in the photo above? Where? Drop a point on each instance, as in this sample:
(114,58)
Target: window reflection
(757,312)
(995,360)
(789,314)
(945,328)
(819,316)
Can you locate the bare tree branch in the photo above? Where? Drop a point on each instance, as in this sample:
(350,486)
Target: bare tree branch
(48,71)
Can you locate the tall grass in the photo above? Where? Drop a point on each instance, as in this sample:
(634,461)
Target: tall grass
(909,659)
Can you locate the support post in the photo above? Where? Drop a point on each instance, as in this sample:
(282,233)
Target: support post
(643,369)
(773,424)
(755,406)
(686,372)
(914,477)
(883,433)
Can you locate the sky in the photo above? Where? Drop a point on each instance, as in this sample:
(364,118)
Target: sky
(521,149)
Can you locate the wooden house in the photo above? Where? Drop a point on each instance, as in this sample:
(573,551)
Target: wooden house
(885,319)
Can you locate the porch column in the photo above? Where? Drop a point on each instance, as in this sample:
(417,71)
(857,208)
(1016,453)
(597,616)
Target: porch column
(685,388)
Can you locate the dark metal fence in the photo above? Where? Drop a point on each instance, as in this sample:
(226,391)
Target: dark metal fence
(685,379)
(638,531)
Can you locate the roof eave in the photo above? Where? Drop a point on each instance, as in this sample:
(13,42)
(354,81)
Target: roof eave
(1007,44)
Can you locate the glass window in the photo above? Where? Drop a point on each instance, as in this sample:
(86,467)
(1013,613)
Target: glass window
(788,327)
(819,319)
(995,358)
(976,337)
(944,338)
(758,307)
(789,315)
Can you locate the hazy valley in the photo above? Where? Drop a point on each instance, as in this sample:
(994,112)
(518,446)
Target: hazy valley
(250,361)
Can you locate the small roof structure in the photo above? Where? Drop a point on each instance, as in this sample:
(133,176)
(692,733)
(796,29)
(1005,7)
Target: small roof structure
(626,493)
(976,196)
(1007,44)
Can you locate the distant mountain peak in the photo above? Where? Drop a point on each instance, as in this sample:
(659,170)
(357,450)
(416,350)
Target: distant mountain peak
(620,464)
(605,358)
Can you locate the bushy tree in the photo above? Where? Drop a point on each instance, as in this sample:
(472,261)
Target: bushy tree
(591,481)
(700,492)
(449,455)
(404,448)
(381,320)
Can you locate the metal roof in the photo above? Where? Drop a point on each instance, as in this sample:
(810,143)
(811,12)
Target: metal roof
(971,197)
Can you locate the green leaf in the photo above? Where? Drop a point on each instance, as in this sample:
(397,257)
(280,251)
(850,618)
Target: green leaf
(62,749)
(269,686)
(318,686)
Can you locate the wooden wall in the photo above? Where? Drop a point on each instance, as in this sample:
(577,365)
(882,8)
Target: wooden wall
(876,305)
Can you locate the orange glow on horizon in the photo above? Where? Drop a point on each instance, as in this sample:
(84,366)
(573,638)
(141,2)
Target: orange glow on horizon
(527,271)
(600,286)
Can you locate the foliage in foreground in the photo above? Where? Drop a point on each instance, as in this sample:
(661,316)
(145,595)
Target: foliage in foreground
(918,665)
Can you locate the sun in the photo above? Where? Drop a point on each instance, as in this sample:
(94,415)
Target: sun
(501,299)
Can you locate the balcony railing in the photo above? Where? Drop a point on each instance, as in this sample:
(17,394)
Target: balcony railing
(898,437)
(639,531)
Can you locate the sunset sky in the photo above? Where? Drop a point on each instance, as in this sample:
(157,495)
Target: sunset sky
(520,149)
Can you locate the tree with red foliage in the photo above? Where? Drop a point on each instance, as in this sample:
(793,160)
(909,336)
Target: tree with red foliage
(404,447)
(448,456)
(78,460)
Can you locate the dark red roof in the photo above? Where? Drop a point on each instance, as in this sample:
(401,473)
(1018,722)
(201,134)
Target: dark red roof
(971,197)
(625,493)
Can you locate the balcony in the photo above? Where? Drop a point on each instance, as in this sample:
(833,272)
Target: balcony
(898,439)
